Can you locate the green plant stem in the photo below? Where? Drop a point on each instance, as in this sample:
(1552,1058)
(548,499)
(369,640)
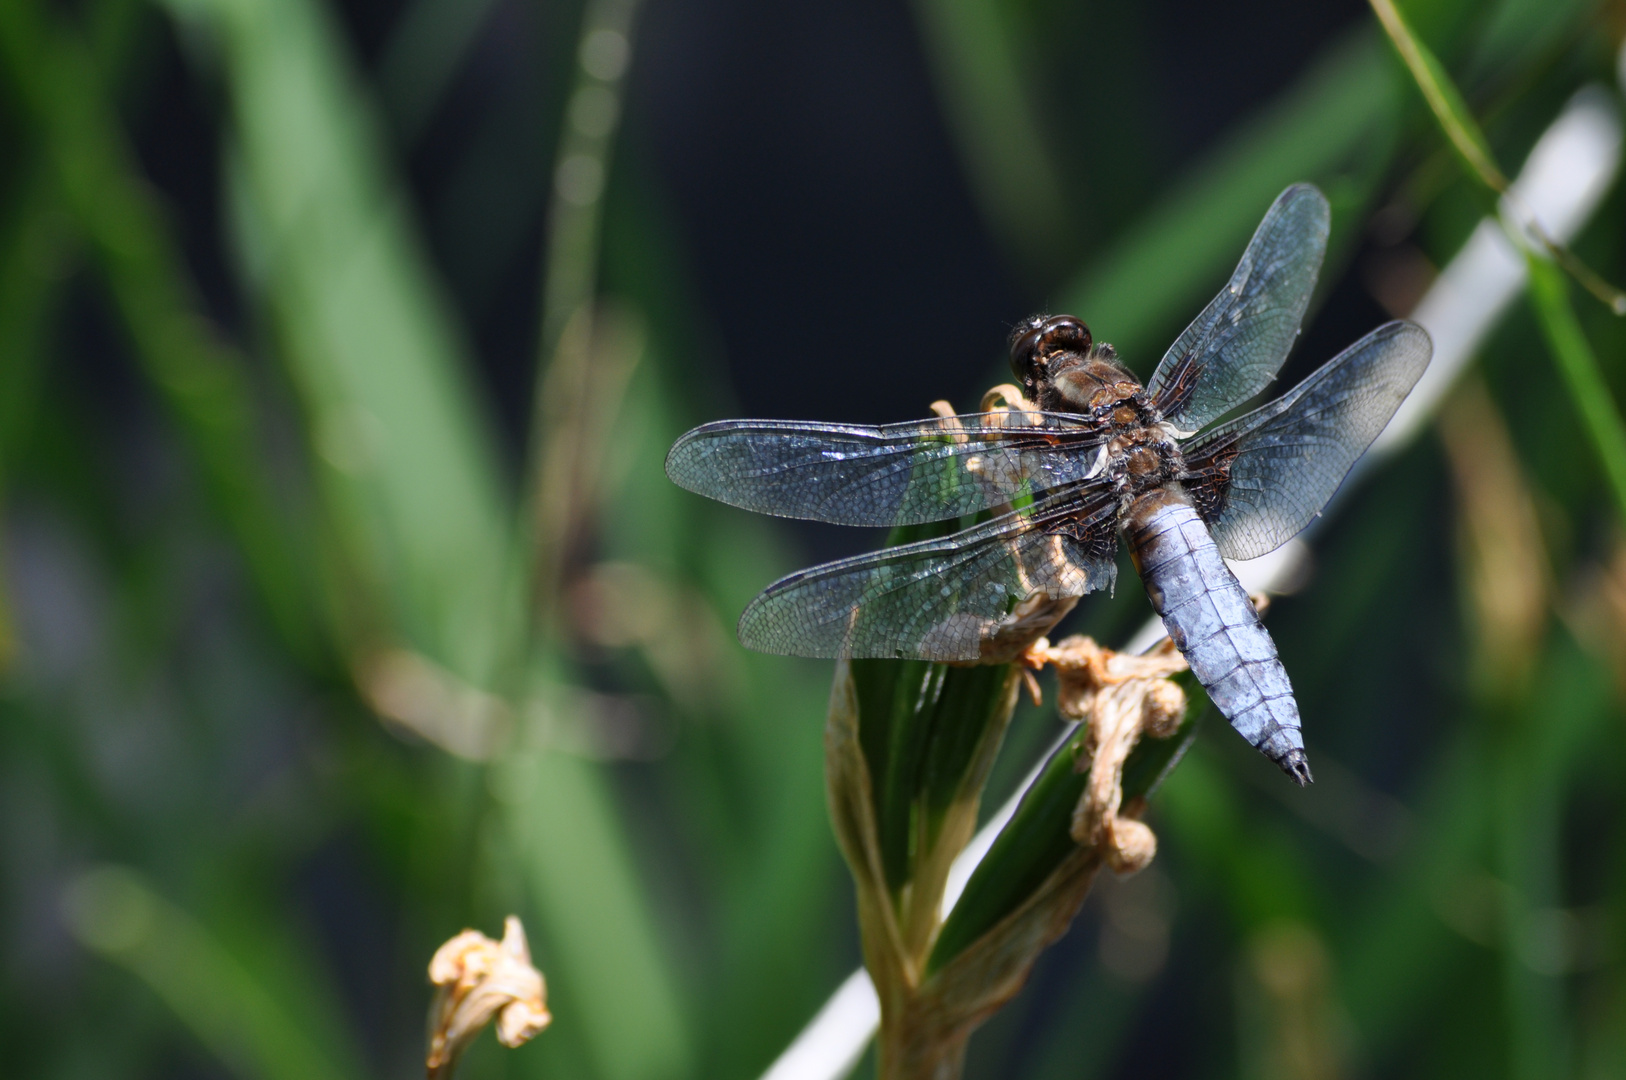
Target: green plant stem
(1578,366)
(571,389)
(1443,99)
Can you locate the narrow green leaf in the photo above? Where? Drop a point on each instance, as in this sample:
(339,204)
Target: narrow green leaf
(981,78)
(413,486)
(115,912)
(1038,838)
(922,726)
(1444,100)
(577,388)
(94,181)
(409,469)
(1335,123)
(602,951)
(36,248)
(1578,366)
(891,730)
(1468,140)
(426,48)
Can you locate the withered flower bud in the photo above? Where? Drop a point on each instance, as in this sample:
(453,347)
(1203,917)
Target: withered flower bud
(479,979)
(1119,698)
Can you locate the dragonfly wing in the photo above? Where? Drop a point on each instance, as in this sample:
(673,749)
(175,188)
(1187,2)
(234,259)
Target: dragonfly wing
(1261,478)
(938,599)
(1234,348)
(899,474)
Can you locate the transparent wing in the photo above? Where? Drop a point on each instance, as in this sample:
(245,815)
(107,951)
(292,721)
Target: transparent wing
(1286,459)
(1235,347)
(937,599)
(899,474)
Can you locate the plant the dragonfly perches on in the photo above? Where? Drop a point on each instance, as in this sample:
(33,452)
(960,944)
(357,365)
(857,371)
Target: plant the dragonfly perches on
(1080,454)
(908,748)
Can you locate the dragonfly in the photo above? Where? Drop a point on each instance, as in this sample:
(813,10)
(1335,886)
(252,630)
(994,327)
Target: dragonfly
(1090,455)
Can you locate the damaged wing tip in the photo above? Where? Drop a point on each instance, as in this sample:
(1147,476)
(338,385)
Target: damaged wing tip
(1297,766)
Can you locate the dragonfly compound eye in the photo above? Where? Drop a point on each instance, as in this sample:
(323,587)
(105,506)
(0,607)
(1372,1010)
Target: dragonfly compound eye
(1041,336)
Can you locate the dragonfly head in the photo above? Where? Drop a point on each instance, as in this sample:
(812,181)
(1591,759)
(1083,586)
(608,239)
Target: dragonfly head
(1062,368)
(1039,338)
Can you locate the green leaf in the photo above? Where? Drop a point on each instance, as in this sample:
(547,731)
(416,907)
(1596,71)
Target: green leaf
(1466,138)
(89,178)
(225,1003)
(922,726)
(1038,840)
(1579,368)
(603,950)
(981,77)
(407,462)
(929,734)
(413,488)
(1444,100)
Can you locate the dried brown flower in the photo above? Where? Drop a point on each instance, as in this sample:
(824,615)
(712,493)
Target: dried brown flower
(480,979)
(1120,697)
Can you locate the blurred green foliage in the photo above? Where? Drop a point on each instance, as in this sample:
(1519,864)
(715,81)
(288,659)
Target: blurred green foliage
(263,578)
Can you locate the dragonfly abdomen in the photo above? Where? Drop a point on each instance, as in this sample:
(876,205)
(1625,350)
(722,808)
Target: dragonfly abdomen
(1213,623)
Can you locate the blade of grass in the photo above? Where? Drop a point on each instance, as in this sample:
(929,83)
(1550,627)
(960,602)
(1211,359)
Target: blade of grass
(116,913)
(743,783)
(605,958)
(38,246)
(1444,100)
(412,478)
(1400,946)
(1572,166)
(1578,367)
(425,49)
(408,470)
(608,943)
(37,250)
(201,378)
(978,69)
(571,391)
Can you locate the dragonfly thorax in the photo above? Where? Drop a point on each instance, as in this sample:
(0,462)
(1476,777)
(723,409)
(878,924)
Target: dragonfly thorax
(1141,458)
